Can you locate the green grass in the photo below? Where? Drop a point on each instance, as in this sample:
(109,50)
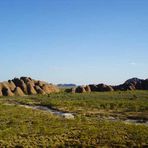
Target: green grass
(21,127)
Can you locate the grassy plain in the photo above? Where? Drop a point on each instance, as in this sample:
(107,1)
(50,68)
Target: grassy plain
(24,127)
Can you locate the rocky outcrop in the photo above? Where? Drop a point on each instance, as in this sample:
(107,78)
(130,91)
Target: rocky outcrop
(87,88)
(80,89)
(26,86)
(11,85)
(26,79)
(1,94)
(73,90)
(39,90)
(18,92)
(131,84)
(93,87)
(90,88)
(5,89)
(145,84)
(21,83)
(103,87)
(40,83)
(49,88)
(30,89)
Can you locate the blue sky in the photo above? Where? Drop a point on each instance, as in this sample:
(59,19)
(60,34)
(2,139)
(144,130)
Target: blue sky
(74,41)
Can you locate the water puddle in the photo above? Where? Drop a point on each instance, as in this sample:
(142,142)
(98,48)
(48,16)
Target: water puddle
(136,121)
(129,120)
(50,110)
(71,115)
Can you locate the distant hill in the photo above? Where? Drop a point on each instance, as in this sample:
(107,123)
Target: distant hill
(66,85)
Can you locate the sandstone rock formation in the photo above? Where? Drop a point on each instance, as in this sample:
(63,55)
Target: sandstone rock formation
(73,90)
(26,86)
(6,90)
(131,84)
(20,83)
(11,85)
(18,92)
(39,90)
(1,94)
(30,89)
(103,87)
(80,89)
(49,88)
(87,88)
(40,83)
(93,87)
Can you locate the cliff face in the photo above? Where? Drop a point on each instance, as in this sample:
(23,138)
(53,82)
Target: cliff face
(26,86)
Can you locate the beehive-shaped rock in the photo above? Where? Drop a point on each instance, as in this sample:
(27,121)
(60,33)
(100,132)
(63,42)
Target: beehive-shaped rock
(18,92)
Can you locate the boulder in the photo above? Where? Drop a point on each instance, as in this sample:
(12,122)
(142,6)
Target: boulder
(26,79)
(54,88)
(109,88)
(46,89)
(121,87)
(23,86)
(93,87)
(30,89)
(80,89)
(18,92)
(1,94)
(39,90)
(103,87)
(133,81)
(139,86)
(40,83)
(137,83)
(50,88)
(6,90)
(145,84)
(20,83)
(71,90)
(11,85)
(131,86)
(87,88)
(17,82)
